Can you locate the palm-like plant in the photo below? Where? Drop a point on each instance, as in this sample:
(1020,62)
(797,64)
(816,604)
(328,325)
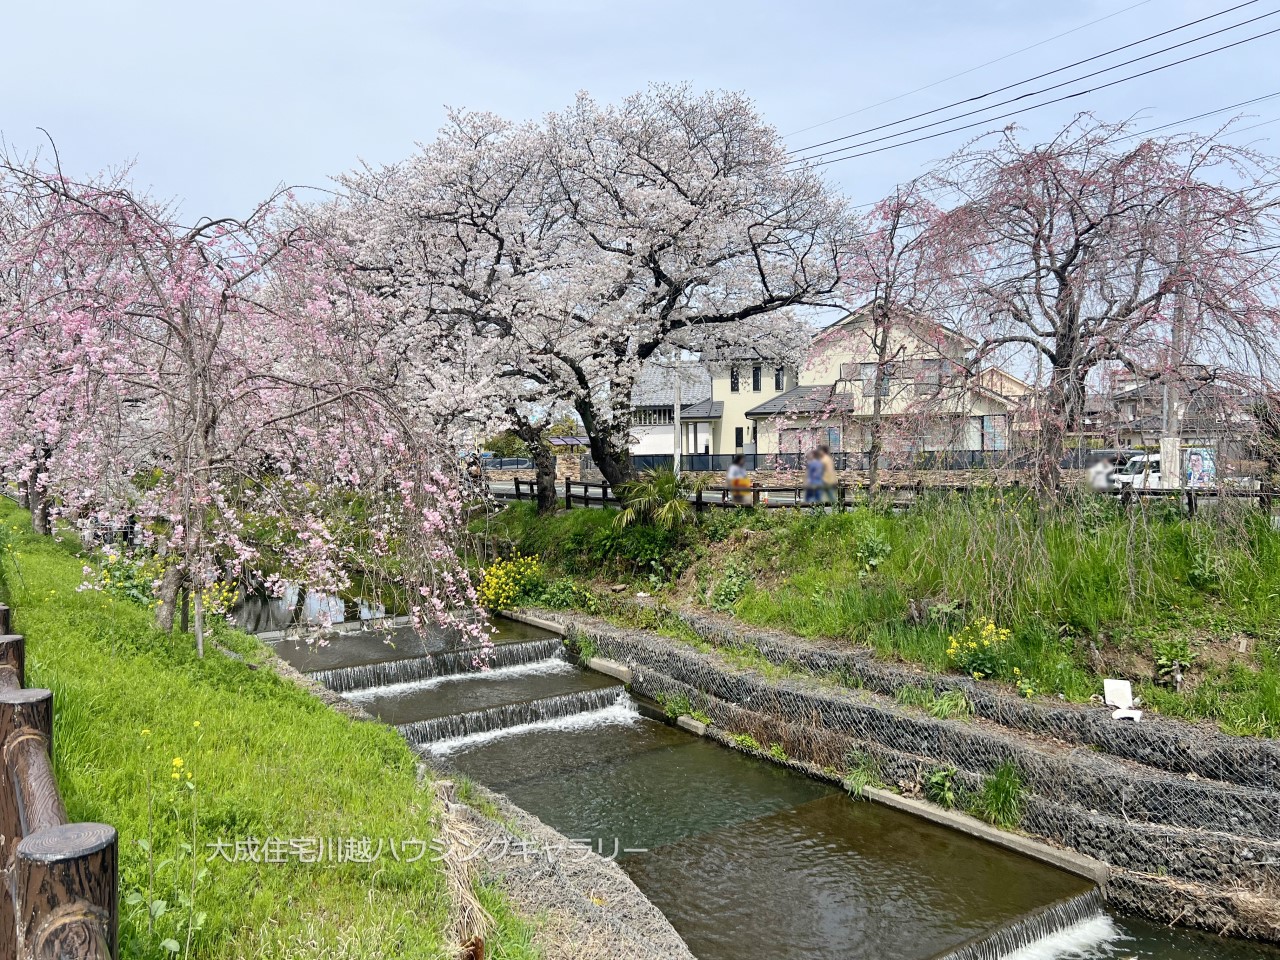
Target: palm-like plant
(658,497)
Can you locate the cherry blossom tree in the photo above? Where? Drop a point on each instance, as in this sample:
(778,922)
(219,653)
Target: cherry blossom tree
(899,274)
(577,247)
(217,385)
(1101,248)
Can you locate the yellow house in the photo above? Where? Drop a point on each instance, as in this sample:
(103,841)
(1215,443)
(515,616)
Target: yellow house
(738,400)
(926,399)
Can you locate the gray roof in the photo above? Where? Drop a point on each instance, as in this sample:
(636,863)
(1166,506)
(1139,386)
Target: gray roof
(811,399)
(702,410)
(655,385)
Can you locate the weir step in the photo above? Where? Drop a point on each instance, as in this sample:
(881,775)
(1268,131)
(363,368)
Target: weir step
(509,715)
(1038,925)
(450,663)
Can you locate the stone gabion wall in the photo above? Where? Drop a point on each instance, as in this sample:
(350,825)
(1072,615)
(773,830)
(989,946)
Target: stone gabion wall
(1171,745)
(1182,850)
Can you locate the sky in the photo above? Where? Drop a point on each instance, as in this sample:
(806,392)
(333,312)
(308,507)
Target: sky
(216,105)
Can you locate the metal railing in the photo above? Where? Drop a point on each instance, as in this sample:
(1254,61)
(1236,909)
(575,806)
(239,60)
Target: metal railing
(62,879)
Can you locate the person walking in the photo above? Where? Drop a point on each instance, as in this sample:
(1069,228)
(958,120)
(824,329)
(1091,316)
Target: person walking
(829,476)
(813,471)
(739,480)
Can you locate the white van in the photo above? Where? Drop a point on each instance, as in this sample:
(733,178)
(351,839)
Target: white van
(1142,472)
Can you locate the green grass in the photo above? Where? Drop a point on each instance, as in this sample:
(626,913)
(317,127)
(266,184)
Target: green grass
(1084,587)
(266,760)
(1000,800)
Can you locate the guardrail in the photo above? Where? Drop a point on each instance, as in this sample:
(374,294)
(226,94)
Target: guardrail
(61,891)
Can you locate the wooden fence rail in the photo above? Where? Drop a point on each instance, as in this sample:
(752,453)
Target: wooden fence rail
(60,897)
(586,494)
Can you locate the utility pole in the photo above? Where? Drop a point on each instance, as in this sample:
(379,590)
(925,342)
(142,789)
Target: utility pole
(1171,431)
(675,369)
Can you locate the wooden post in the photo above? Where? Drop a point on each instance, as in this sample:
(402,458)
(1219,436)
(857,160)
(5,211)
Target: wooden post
(568,494)
(1191,503)
(13,662)
(842,494)
(6,619)
(698,505)
(25,715)
(66,883)
(755,496)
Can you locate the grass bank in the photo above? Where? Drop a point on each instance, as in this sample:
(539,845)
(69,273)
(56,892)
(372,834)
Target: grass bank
(1047,600)
(179,753)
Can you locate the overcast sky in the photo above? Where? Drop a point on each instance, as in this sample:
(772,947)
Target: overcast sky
(217,104)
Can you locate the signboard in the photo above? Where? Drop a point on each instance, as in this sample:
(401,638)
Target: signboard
(1199,468)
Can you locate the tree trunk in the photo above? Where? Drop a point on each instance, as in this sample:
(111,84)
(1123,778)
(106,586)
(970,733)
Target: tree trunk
(1061,415)
(197,602)
(38,497)
(544,464)
(170,587)
(613,463)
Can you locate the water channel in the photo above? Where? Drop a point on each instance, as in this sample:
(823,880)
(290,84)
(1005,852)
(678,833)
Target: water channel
(745,858)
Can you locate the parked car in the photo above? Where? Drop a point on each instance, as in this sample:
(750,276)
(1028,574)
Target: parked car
(1100,467)
(1141,472)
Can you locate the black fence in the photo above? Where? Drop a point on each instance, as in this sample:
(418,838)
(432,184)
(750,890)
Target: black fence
(923,460)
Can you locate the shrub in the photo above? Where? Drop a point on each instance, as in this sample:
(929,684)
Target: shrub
(505,582)
(564,594)
(729,589)
(978,649)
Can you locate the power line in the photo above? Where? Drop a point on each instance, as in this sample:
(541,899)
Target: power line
(962,73)
(1021,96)
(1034,106)
(1049,73)
(1209,113)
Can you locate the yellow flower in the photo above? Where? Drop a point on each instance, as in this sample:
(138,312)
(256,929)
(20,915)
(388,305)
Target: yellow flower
(146,732)
(177,761)
(175,775)
(196,724)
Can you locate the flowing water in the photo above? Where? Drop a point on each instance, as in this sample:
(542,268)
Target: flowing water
(747,859)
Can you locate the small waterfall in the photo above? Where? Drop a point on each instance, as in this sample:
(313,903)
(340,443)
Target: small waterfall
(622,712)
(508,715)
(450,663)
(1072,924)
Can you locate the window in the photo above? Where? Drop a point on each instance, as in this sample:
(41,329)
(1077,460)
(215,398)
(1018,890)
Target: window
(870,384)
(734,384)
(755,378)
(653,418)
(737,438)
(779,378)
(929,379)
(850,371)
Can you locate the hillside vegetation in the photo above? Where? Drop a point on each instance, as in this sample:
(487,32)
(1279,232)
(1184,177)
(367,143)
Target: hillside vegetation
(1046,599)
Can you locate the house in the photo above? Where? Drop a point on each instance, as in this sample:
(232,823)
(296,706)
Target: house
(928,401)
(740,400)
(653,400)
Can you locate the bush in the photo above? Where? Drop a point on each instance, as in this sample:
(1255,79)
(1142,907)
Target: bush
(506,582)
(978,649)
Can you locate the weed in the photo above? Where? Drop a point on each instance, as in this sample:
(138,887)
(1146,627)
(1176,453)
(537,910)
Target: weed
(674,705)
(940,787)
(729,589)
(1000,800)
(777,753)
(951,704)
(744,741)
(862,772)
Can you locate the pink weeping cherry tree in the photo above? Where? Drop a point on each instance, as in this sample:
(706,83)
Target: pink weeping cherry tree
(1102,248)
(216,387)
